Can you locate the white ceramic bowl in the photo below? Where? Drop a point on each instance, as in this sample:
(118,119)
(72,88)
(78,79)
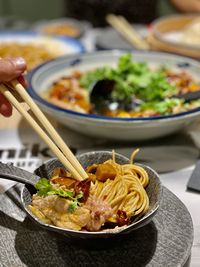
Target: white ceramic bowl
(80,26)
(106,127)
(170,30)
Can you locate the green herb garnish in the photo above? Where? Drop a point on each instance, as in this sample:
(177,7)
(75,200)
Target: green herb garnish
(44,188)
(134,79)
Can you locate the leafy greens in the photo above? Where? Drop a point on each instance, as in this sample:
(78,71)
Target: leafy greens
(135,80)
(44,188)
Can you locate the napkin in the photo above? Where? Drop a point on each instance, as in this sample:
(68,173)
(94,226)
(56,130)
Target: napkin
(194,181)
(5,185)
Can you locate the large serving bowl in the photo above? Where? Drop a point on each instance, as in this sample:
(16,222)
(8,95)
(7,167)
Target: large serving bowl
(177,34)
(154,191)
(42,77)
(36,48)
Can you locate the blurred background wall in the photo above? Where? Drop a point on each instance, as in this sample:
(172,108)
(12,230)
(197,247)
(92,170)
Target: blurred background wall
(165,8)
(33,10)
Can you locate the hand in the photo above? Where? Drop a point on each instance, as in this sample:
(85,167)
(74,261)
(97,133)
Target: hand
(10,68)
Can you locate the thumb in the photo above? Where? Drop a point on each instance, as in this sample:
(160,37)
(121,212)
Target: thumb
(11,68)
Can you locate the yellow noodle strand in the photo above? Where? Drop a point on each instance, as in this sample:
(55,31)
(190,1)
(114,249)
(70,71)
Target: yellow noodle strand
(126,192)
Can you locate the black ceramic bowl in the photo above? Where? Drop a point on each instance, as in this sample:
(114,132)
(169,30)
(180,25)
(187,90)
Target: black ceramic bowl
(154,190)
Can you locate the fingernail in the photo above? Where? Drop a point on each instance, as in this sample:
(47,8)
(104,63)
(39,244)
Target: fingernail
(19,63)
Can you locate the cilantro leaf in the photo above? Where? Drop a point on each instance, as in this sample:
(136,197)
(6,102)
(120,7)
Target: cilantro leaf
(133,79)
(73,206)
(63,193)
(43,186)
(163,107)
(75,203)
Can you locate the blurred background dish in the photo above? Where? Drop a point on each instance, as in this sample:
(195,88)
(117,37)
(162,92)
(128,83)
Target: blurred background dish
(191,33)
(62,27)
(109,38)
(120,128)
(11,23)
(177,34)
(36,48)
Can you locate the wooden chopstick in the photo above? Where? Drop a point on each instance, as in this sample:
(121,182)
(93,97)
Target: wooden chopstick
(120,24)
(68,159)
(48,126)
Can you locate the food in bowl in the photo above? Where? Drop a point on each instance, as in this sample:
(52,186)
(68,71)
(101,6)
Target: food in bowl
(33,54)
(64,29)
(140,90)
(191,33)
(114,195)
(36,48)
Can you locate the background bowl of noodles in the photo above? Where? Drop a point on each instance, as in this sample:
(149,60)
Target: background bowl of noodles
(36,48)
(62,27)
(121,127)
(153,190)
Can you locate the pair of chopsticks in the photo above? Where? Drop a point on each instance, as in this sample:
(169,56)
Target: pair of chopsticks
(121,25)
(55,143)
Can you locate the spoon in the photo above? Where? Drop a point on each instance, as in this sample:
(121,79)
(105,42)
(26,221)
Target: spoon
(8,171)
(100,97)
(190,96)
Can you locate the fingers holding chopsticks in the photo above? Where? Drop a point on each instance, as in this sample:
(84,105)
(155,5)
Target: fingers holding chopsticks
(10,68)
(43,128)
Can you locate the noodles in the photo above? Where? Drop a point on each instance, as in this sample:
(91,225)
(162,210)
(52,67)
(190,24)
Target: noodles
(34,54)
(126,192)
(62,29)
(113,195)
